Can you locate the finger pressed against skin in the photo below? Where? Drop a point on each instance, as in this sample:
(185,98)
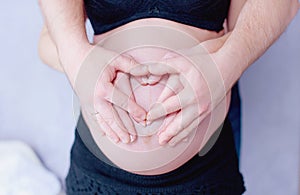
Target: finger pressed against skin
(187,101)
(122,82)
(173,86)
(127,122)
(126,64)
(182,120)
(120,99)
(108,117)
(184,133)
(106,128)
(105,95)
(170,105)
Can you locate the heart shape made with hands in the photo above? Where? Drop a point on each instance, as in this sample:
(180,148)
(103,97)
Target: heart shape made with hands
(145,91)
(146,44)
(157,158)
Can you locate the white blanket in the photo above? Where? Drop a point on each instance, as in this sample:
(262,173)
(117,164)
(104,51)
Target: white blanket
(22,173)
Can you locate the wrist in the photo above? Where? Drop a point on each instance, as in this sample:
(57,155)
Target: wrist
(230,68)
(69,48)
(72,56)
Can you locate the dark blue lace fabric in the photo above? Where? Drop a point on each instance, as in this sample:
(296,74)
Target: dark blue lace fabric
(214,173)
(106,15)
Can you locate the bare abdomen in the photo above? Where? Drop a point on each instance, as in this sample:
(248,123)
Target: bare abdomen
(147,44)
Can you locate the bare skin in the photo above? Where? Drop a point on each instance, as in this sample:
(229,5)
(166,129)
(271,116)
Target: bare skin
(226,47)
(149,143)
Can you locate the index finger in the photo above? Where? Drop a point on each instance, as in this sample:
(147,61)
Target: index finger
(122,100)
(162,68)
(129,65)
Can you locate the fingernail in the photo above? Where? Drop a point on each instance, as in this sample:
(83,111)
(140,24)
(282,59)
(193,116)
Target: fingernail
(144,68)
(138,119)
(148,116)
(142,122)
(148,122)
(163,142)
(144,81)
(132,138)
(125,140)
(144,115)
(102,133)
(153,79)
(139,70)
(114,139)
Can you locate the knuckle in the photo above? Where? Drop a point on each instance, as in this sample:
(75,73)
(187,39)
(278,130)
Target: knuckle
(204,107)
(131,62)
(177,87)
(184,65)
(102,90)
(186,99)
(117,59)
(108,91)
(100,93)
(198,90)
(109,121)
(180,127)
(100,122)
(132,108)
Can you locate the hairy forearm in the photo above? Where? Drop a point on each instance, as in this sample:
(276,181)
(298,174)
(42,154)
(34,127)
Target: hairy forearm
(47,50)
(65,21)
(259,24)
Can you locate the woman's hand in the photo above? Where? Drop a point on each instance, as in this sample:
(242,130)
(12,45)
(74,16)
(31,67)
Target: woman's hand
(83,66)
(122,82)
(199,87)
(94,85)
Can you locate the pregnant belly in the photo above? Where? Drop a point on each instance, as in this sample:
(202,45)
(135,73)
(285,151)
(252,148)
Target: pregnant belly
(145,156)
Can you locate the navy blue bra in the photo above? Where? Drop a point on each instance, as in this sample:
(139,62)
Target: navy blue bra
(106,15)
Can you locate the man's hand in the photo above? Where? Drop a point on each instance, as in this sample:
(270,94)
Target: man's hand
(198,86)
(65,24)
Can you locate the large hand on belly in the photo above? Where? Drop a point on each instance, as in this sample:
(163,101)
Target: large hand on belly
(195,88)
